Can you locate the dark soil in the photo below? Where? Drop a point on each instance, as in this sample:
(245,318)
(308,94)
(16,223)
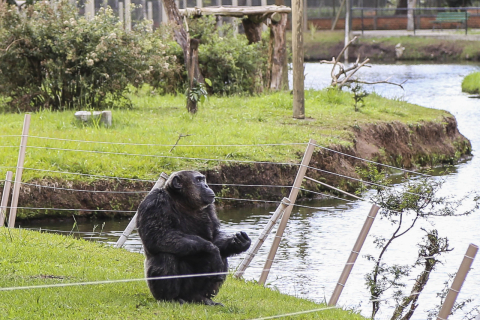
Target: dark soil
(424,144)
(441,51)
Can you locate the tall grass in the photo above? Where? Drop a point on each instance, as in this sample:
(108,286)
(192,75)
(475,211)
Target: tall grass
(237,120)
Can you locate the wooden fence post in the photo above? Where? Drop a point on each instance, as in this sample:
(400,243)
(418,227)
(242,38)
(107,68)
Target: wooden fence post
(133,223)
(5,196)
(261,239)
(297,61)
(353,255)
(286,215)
(19,172)
(458,282)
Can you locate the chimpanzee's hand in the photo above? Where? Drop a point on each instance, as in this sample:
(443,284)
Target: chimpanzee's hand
(240,242)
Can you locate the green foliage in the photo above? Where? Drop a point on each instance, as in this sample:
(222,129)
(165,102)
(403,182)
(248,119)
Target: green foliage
(416,200)
(471,83)
(226,58)
(57,59)
(358,95)
(31,258)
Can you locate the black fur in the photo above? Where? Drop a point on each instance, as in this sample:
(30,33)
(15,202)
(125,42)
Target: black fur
(180,232)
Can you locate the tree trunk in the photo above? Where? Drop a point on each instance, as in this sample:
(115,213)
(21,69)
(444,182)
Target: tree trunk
(189,47)
(278,66)
(253,29)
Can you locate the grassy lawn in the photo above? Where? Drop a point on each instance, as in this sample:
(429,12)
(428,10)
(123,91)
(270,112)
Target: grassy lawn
(263,119)
(471,83)
(30,258)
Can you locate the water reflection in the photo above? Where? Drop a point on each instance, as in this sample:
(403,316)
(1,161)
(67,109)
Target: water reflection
(317,243)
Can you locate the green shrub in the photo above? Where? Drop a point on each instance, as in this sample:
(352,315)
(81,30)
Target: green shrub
(54,58)
(471,83)
(226,58)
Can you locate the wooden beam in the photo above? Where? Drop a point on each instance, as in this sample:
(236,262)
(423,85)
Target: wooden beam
(234,11)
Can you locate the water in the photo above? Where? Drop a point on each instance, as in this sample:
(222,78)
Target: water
(317,243)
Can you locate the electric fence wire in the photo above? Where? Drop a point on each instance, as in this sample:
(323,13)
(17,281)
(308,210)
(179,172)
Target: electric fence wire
(143,192)
(370,161)
(165,157)
(175,145)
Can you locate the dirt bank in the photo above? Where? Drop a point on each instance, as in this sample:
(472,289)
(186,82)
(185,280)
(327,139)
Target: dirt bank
(394,143)
(383,50)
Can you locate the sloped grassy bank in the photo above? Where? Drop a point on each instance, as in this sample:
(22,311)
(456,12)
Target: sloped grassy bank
(392,132)
(30,258)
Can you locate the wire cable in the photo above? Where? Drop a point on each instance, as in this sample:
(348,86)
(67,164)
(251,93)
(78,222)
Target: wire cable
(164,157)
(370,161)
(174,145)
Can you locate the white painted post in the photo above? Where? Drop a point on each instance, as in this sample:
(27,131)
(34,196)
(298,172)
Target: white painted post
(164,13)
(90,9)
(19,171)
(458,282)
(353,255)
(121,14)
(128,15)
(133,223)
(150,10)
(261,239)
(199,3)
(264,4)
(5,195)
(286,215)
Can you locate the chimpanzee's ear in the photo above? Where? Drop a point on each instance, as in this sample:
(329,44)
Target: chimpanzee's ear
(176,183)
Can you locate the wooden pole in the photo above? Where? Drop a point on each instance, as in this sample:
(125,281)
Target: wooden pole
(261,239)
(353,255)
(5,196)
(128,15)
(133,223)
(298,52)
(458,282)
(19,172)
(286,215)
(338,15)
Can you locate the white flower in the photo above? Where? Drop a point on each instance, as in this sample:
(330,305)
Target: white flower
(89,62)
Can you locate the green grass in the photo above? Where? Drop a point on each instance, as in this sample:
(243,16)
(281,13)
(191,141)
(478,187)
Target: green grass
(263,119)
(30,258)
(471,83)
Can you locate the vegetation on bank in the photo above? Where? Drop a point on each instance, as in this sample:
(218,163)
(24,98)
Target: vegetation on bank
(31,258)
(326,44)
(471,83)
(163,121)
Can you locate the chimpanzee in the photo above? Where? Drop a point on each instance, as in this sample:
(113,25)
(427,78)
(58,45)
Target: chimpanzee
(181,235)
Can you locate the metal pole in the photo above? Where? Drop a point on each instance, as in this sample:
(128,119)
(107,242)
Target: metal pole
(348,14)
(353,255)
(457,282)
(19,172)
(286,215)
(133,223)
(5,196)
(261,239)
(362,21)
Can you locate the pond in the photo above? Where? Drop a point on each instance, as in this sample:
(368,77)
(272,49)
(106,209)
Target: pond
(317,243)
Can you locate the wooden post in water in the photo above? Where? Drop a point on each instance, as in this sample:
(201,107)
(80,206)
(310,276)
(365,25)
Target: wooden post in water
(458,282)
(261,239)
(297,62)
(286,215)
(5,196)
(133,223)
(19,171)
(353,255)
